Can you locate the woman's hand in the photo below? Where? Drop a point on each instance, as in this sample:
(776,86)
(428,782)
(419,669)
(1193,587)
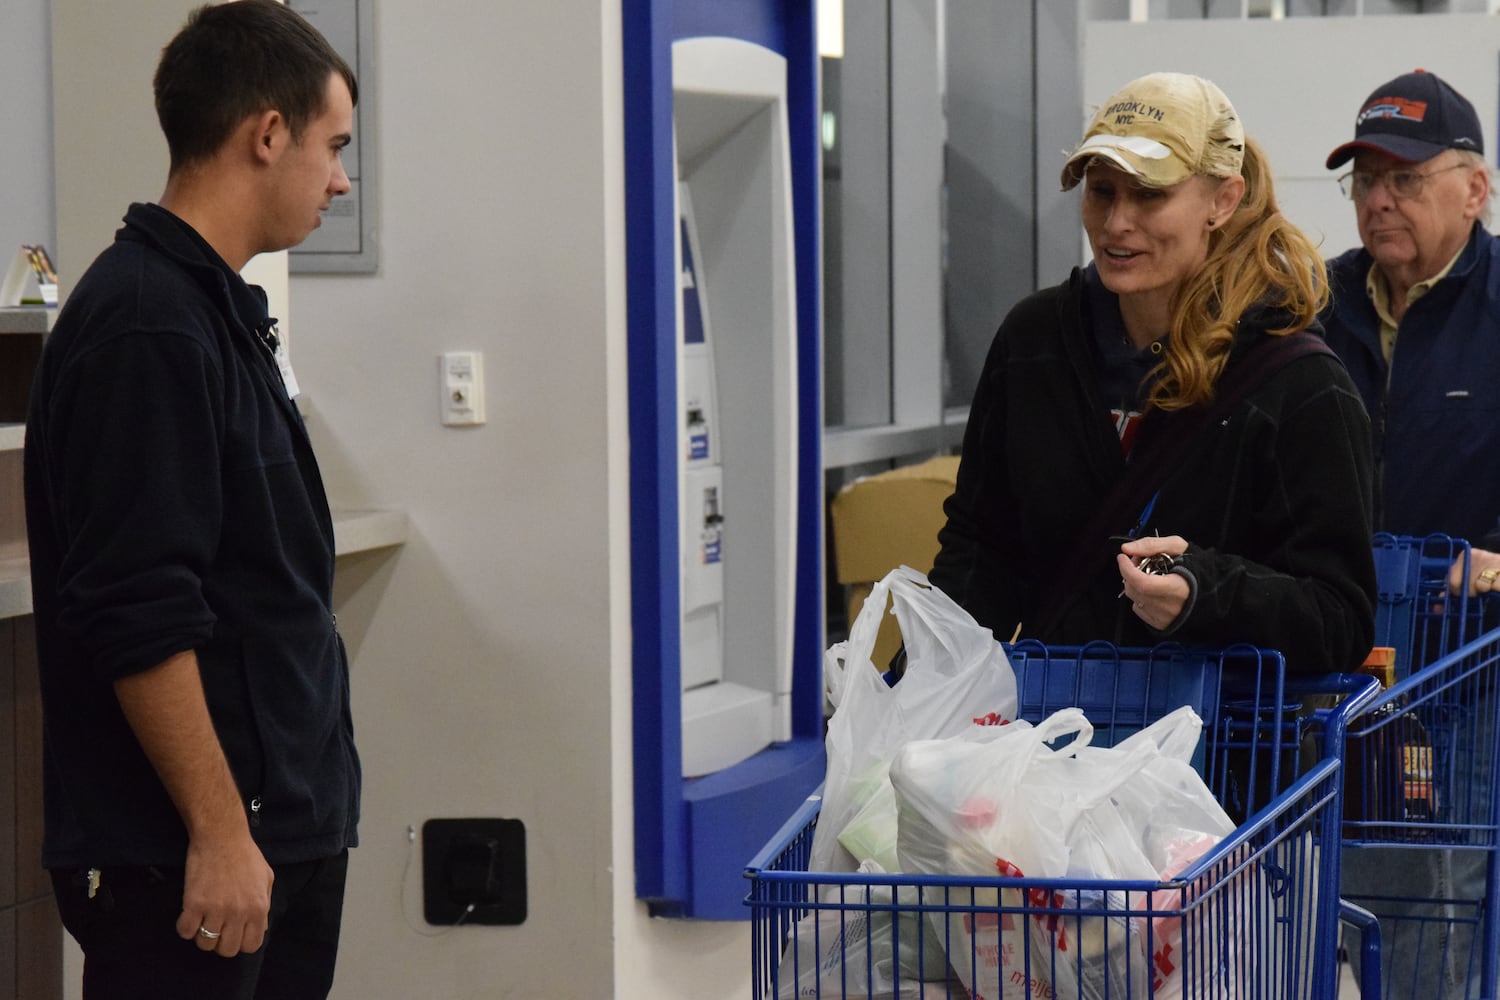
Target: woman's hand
(1157,598)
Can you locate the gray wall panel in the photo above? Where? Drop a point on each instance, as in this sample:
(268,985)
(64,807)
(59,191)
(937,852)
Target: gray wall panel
(26,214)
(991,250)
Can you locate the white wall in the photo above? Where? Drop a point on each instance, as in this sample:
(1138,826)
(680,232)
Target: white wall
(26,214)
(1298,83)
(491,653)
(492,675)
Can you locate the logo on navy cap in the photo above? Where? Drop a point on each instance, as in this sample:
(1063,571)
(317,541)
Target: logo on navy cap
(1393,107)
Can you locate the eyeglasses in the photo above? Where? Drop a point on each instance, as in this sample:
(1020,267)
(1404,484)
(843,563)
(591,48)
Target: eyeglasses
(1357,184)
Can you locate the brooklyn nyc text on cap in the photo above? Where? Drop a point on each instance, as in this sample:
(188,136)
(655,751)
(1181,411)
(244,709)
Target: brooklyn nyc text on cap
(1163,128)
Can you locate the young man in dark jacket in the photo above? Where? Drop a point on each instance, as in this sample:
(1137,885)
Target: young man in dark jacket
(201,781)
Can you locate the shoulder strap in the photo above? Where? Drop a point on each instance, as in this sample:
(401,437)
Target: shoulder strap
(1137,488)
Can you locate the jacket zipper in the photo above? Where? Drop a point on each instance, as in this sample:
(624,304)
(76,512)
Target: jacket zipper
(1377,432)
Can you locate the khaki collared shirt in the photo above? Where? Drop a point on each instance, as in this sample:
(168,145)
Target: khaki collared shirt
(1380,297)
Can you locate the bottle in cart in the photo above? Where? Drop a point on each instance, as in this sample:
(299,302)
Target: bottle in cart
(1391,763)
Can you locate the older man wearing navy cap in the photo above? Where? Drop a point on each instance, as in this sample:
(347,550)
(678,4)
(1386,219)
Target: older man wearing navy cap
(1415,316)
(1416,313)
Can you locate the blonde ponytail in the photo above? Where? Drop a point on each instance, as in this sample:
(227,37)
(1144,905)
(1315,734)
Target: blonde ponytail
(1256,258)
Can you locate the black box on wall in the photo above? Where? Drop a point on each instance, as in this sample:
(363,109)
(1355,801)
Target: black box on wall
(474,871)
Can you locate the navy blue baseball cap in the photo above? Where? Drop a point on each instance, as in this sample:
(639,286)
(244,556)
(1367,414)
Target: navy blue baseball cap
(1413,118)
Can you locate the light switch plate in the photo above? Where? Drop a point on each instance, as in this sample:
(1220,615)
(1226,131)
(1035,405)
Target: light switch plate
(461,388)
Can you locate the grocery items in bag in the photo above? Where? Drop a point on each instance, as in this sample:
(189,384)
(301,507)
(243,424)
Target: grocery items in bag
(870,834)
(1041,802)
(957,679)
(861,943)
(1175,820)
(985,804)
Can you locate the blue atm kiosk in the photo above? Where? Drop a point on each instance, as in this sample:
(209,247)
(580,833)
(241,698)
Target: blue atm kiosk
(722,177)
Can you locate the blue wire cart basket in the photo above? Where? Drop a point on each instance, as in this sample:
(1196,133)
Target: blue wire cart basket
(1421,767)
(1415,615)
(1250,918)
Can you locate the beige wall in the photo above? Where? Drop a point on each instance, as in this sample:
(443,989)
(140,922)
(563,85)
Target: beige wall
(482,676)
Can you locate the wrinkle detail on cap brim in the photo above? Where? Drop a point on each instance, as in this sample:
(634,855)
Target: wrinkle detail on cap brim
(1403,148)
(1109,148)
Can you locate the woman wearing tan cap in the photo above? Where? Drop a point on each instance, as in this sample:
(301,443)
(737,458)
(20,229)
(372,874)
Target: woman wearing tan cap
(1157,447)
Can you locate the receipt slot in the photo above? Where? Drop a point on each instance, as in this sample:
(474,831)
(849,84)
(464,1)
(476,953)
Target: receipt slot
(726,498)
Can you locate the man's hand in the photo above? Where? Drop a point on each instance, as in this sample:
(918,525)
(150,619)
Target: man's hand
(226,898)
(1156,599)
(1483,574)
(227,892)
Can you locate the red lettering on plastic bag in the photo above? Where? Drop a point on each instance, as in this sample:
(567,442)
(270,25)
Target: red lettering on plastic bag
(1042,899)
(1164,965)
(1036,986)
(1038,899)
(991,719)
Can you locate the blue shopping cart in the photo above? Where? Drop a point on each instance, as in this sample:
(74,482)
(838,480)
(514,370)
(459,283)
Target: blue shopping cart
(1420,776)
(1415,615)
(1250,918)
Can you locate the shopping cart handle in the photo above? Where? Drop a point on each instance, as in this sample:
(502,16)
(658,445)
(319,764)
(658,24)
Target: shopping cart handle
(1360,690)
(1369,946)
(795,824)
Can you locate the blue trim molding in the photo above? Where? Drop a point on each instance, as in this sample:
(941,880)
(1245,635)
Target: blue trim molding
(650,320)
(693,838)
(767,24)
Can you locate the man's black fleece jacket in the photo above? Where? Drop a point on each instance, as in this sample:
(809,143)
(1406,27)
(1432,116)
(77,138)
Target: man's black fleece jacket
(173,503)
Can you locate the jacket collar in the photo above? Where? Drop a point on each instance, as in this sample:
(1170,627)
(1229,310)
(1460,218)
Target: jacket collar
(1101,307)
(1468,258)
(158,228)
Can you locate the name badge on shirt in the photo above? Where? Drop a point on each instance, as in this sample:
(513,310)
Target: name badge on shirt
(284,363)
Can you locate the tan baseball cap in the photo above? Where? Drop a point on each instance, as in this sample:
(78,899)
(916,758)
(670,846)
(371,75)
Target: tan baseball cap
(1163,128)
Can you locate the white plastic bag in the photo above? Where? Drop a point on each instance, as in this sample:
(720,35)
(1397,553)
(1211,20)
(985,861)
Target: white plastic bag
(1148,813)
(957,676)
(1173,819)
(969,802)
(988,804)
(861,946)
(1006,802)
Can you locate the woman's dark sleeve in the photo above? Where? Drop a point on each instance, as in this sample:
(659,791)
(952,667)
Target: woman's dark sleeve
(975,543)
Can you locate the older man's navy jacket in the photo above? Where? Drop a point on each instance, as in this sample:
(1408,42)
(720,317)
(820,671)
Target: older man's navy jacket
(1435,412)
